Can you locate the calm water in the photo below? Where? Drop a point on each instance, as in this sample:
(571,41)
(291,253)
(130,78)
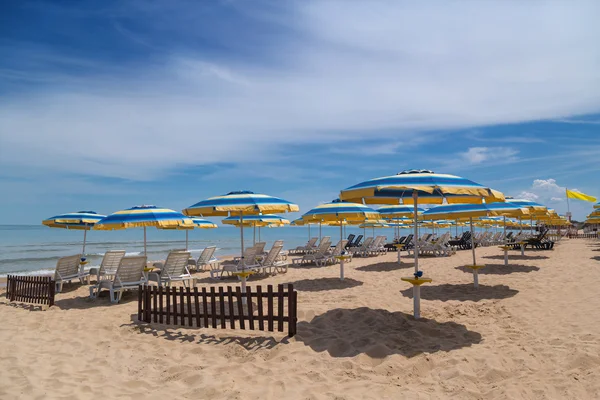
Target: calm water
(28,249)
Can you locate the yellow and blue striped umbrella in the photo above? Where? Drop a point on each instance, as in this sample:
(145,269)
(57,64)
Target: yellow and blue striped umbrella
(240,203)
(337,211)
(427,187)
(83,220)
(398,211)
(142,217)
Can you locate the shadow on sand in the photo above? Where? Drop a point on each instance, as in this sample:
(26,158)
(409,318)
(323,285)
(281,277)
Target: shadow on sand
(324,284)
(501,269)
(462,292)
(517,257)
(381,333)
(385,267)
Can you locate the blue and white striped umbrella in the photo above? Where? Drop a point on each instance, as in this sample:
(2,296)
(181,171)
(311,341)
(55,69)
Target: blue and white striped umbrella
(142,217)
(240,204)
(83,220)
(413,186)
(197,223)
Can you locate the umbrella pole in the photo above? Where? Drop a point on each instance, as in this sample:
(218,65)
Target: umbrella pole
(145,242)
(259,233)
(186,240)
(319,230)
(475,277)
(505,248)
(416,288)
(84,239)
(242,261)
(342,250)
(308,231)
(254,235)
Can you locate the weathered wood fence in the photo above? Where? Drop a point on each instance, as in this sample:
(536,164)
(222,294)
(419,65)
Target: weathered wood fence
(31,289)
(255,309)
(583,236)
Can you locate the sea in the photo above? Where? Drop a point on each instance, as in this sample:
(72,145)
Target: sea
(35,249)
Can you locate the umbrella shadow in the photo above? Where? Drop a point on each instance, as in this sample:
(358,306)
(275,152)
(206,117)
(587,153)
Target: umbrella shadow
(462,292)
(384,267)
(103,300)
(324,284)
(597,258)
(380,333)
(501,269)
(516,257)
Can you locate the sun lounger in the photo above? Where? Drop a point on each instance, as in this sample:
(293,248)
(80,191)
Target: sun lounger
(67,269)
(129,275)
(271,263)
(173,270)
(247,263)
(308,246)
(206,259)
(314,257)
(108,266)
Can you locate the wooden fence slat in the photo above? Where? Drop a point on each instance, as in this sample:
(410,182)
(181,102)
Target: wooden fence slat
(230,300)
(160,304)
(155,304)
(140,294)
(174,300)
(280,308)
(270,307)
(168,303)
(189,306)
(222,313)
(197,307)
(259,303)
(238,295)
(182,305)
(249,303)
(52,287)
(213,307)
(294,320)
(204,308)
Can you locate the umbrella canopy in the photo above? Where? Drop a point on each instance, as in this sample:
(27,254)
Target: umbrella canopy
(412,186)
(341,212)
(240,203)
(142,217)
(536,208)
(597,205)
(257,220)
(83,220)
(398,211)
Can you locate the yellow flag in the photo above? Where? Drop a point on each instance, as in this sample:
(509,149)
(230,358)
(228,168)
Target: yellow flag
(580,196)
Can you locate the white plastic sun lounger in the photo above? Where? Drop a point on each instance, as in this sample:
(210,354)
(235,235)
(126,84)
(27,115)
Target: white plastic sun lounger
(174,270)
(67,269)
(108,266)
(129,275)
(206,259)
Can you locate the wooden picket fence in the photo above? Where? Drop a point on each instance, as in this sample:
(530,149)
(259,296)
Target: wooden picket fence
(583,235)
(31,289)
(203,308)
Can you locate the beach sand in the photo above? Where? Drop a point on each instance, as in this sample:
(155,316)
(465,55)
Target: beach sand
(531,330)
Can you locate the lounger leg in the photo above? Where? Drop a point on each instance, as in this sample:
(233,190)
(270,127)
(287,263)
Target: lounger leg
(93,294)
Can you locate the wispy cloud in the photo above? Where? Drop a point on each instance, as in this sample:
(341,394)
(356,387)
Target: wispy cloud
(400,68)
(479,155)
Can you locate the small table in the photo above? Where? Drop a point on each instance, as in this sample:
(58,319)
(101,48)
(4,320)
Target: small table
(341,259)
(417,282)
(522,244)
(243,275)
(475,269)
(399,247)
(505,248)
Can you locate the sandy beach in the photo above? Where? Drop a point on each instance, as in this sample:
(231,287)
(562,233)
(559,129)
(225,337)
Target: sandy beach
(531,331)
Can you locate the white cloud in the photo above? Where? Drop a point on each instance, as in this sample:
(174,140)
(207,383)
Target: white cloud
(395,67)
(528,196)
(556,199)
(478,155)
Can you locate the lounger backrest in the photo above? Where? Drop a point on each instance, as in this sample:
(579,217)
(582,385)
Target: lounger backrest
(67,266)
(325,239)
(408,240)
(130,270)
(272,256)
(339,247)
(260,247)
(358,240)
(249,257)
(277,243)
(176,263)
(367,243)
(350,238)
(312,242)
(111,261)
(206,255)
(323,246)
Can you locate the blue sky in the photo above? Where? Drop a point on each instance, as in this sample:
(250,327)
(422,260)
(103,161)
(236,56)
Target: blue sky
(105,105)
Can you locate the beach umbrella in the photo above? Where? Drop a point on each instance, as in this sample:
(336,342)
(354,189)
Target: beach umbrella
(143,217)
(341,212)
(241,204)
(197,223)
(373,225)
(259,221)
(398,212)
(81,220)
(412,187)
(470,211)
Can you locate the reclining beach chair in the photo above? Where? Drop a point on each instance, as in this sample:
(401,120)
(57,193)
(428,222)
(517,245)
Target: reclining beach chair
(363,247)
(129,275)
(108,266)
(316,256)
(173,270)
(271,263)
(308,246)
(247,263)
(67,269)
(206,259)
(356,242)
